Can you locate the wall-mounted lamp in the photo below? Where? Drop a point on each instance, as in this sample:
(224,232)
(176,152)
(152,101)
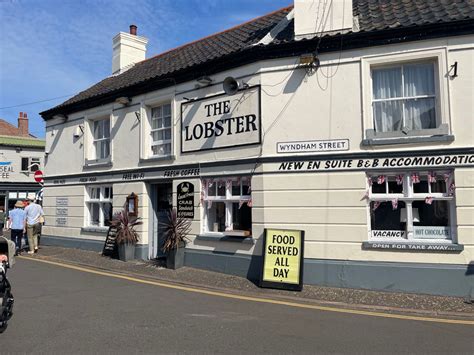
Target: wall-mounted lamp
(78,131)
(123,100)
(453,70)
(204,80)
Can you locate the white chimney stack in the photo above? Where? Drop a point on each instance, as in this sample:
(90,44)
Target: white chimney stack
(128,49)
(315,17)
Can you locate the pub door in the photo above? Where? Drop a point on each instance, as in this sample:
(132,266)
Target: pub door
(163,204)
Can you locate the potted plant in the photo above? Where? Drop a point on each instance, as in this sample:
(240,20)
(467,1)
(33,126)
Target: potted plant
(127,236)
(175,231)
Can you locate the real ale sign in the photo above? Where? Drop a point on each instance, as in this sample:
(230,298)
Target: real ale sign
(283,259)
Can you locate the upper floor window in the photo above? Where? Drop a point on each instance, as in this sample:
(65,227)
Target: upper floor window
(161,130)
(404,97)
(101,139)
(30,164)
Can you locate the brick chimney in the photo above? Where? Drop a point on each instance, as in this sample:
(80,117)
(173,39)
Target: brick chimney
(23,124)
(128,49)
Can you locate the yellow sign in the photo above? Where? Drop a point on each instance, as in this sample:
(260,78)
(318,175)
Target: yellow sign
(282,256)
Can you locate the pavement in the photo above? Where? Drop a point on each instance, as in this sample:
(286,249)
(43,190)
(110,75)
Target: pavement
(344,298)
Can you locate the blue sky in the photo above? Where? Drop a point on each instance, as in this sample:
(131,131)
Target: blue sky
(54,48)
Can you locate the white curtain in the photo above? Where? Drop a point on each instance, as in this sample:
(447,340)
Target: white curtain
(418,80)
(420,113)
(387,83)
(388,116)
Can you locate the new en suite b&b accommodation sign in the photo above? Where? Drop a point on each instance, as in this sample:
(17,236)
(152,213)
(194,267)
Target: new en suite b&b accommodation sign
(221,121)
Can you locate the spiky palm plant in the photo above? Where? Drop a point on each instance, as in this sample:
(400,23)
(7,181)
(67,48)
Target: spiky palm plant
(126,233)
(176,228)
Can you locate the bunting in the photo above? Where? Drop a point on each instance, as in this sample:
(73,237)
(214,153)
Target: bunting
(394,203)
(399,179)
(415,178)
(380,179)
(452,189)
(431,177)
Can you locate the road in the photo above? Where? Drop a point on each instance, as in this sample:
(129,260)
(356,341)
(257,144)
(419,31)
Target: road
(59,310)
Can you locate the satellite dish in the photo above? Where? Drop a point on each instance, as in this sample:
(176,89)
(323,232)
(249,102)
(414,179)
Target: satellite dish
(230,85)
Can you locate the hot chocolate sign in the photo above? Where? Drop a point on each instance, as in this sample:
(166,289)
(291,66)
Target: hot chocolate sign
(221,121)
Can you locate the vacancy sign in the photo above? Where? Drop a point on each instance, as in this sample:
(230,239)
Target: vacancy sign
(283,259)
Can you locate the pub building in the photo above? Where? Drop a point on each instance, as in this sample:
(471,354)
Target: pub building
(352,126)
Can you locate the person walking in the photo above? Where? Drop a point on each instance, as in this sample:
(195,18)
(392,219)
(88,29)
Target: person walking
(33,215)
(16,223)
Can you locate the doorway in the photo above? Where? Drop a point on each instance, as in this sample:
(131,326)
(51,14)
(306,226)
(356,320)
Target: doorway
(162,203)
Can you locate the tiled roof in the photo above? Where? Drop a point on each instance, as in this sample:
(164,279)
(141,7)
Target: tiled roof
(372,15)
(21,142)
(7,129)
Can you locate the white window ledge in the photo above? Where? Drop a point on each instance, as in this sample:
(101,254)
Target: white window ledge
(92,163)
(225,238)
(158,158)
(95,229)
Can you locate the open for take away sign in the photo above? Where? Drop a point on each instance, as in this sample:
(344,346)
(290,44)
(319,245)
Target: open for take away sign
(283,259)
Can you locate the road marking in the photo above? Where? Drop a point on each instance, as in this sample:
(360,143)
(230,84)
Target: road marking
(254,299)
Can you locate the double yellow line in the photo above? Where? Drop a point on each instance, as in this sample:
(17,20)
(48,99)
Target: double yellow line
(254,299)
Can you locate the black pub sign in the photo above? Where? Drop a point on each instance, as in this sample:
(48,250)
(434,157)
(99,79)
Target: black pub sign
(185,199)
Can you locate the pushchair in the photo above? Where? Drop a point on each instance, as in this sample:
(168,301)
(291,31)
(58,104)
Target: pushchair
(7,259)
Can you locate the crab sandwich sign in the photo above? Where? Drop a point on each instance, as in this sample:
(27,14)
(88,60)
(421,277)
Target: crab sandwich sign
(221,121)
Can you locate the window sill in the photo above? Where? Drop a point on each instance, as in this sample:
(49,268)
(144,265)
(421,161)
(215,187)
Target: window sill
(154,159)
(97,163)
(413,246)
(407,140)
(213,237)
(102,230)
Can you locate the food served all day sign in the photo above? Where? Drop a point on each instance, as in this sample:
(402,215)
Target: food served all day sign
(283,259)
(221,121)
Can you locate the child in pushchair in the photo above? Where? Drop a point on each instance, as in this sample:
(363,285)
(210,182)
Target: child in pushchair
(7,252)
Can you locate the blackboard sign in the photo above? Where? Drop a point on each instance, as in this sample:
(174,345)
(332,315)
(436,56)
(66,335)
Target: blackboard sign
(110,246)
(185,198)
(283,259)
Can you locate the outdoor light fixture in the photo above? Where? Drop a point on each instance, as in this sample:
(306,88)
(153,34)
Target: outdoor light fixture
(204,80)
(123,100)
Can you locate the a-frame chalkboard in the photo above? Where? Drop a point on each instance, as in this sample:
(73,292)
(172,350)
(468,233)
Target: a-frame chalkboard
(110,246)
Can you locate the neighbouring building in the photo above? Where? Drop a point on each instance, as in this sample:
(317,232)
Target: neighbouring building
(351,121)
(21,154)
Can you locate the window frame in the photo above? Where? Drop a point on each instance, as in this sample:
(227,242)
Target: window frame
(90,156)
(154,143)
(408,196)
(442,132)
(101,200)
(228,199)
(149,102)
(30,163)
